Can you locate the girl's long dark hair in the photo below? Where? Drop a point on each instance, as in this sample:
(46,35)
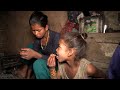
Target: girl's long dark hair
(39,18)
(77,41)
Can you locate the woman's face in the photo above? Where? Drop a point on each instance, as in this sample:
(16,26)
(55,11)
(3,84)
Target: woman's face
(62,51)
(38,30)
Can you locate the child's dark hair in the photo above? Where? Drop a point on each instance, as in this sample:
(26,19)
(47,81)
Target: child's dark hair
(76,40)
(39,18)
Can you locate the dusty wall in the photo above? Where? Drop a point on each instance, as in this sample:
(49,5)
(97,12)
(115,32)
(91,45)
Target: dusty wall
(57,19)
(111,19)
(3,28)
(18,33)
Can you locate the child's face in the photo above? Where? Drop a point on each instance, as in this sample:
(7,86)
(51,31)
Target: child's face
(62,51)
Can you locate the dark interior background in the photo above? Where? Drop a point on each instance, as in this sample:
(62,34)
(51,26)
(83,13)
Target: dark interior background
(15,33)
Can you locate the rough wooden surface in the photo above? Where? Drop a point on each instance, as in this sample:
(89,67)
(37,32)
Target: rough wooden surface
(105,37)
(101,48)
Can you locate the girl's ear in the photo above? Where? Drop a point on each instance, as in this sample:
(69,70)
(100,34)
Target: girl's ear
(71,52)
(46,28)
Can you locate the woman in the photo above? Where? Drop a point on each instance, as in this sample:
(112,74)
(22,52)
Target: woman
(45,44)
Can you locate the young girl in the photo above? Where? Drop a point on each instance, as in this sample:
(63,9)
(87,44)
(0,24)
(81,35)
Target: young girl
(70,55)
(35,56)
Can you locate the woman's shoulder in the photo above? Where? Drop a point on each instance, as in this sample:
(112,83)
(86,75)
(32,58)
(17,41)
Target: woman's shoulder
(54,32)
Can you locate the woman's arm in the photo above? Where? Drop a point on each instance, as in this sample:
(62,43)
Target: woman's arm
(27,53)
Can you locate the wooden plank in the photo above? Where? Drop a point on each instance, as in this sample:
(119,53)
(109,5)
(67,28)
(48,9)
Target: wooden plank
(105,38)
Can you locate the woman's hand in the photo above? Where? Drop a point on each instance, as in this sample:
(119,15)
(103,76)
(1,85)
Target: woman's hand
(27,53)
(51,61)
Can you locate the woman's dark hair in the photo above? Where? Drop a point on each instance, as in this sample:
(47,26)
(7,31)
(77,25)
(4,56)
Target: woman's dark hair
(76,40)
(39,18)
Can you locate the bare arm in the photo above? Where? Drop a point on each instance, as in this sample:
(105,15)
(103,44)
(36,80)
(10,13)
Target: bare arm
(94,72)
(51,63)
(54,74)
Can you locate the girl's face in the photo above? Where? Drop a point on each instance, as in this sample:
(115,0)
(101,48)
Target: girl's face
(62,51)
(38,30)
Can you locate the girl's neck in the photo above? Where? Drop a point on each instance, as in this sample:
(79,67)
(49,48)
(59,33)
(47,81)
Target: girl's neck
(44,40)
(46,35)
(71,68)
(72,63)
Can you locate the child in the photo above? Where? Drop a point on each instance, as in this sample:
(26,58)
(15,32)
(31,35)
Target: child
(70,55)
(35,56)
